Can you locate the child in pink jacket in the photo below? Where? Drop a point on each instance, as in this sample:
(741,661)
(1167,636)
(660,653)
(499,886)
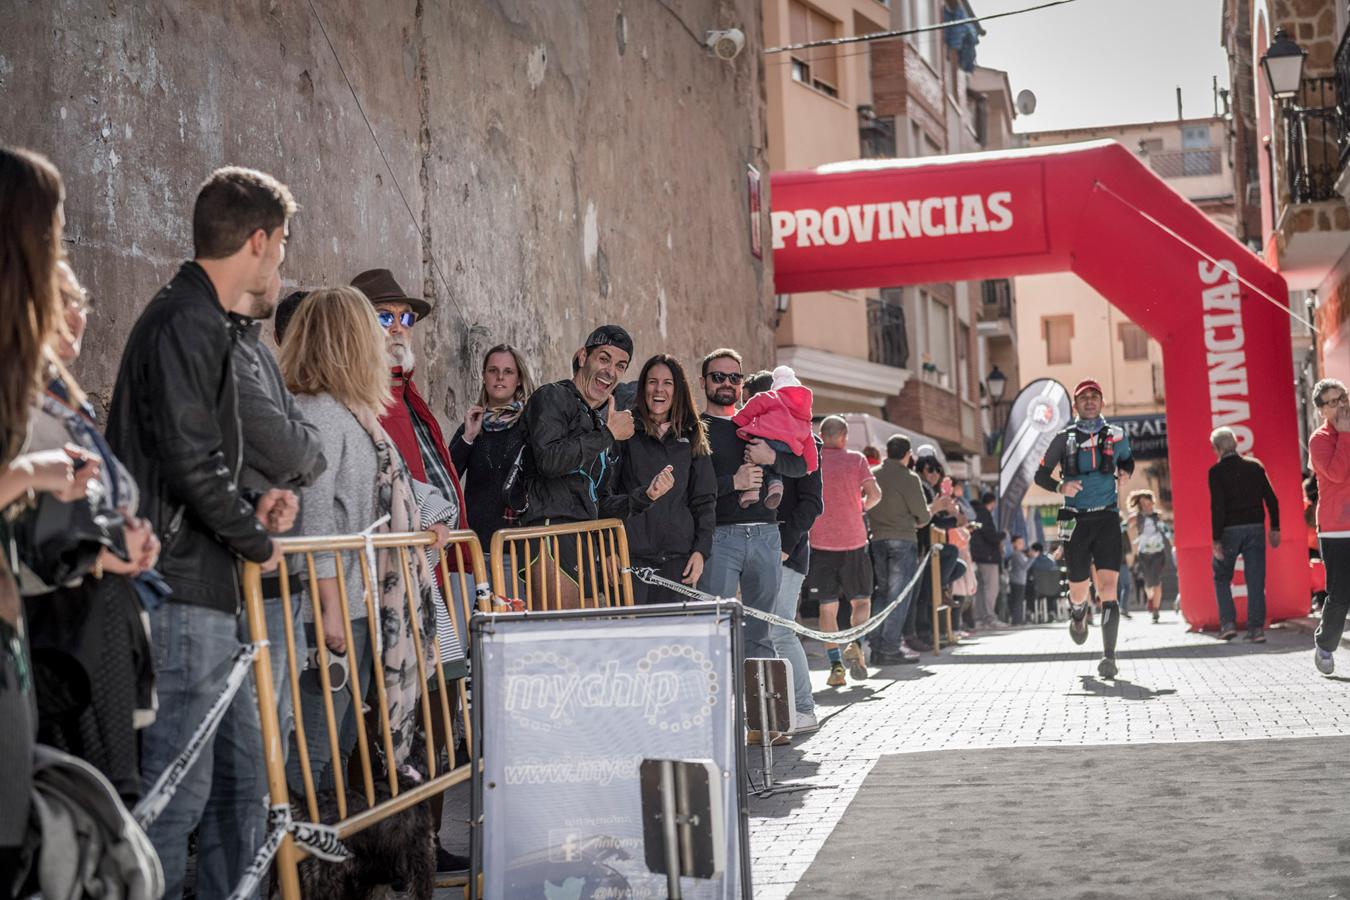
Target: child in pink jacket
(781,417)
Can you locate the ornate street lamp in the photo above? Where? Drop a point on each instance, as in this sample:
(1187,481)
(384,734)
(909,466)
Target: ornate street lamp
(1283,65)
(997,383)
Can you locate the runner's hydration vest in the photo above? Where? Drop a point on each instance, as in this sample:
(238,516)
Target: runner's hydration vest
(1107,438)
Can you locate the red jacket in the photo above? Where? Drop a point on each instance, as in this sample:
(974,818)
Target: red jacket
(1329,456)
(397,422)
(781,415)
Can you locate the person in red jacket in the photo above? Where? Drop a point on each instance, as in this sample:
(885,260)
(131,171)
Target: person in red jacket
(782,418)
(417,435)
(1329,456)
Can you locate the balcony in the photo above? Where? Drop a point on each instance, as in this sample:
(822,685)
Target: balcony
(997,318)
(932,409)
(1311,227)
(887,339)
(1199,162)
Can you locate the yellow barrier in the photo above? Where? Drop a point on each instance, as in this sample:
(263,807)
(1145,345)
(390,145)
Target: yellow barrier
(552,566)
(941,612)
(466,555)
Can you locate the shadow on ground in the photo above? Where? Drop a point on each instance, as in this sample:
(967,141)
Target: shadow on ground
(1235,819)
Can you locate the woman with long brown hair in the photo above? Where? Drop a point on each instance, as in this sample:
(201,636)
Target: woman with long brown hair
(674,535)
(31,221)
(333,359)
(486,448)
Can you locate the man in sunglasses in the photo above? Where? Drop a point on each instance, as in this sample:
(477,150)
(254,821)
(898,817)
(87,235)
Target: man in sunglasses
(747,547)
(417,435)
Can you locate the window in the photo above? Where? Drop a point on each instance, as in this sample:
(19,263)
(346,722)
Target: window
(1058,334)
(963,360)
(921,15)
(817,67)
(889,343)
(1150,146)
(1134,341)
(939,335)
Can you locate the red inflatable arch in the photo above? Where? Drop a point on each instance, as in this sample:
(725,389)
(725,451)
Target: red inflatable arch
(1218,311)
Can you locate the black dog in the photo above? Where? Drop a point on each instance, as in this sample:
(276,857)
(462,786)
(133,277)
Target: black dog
(399,851)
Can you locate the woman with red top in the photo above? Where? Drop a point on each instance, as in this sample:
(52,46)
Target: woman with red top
(1329,456)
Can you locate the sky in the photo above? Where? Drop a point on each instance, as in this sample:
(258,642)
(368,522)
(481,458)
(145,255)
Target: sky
(1107,62)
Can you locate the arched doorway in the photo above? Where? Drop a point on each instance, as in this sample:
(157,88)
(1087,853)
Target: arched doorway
(1218,311)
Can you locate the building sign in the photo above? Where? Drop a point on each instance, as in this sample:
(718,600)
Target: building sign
(756,212)
(1147,434)
(568,706)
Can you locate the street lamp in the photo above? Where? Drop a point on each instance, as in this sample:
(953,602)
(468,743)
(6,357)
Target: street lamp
(1283,65)
(997,383)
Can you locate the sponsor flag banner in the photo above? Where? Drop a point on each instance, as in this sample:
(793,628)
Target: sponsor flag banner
(1041,409)
(1147,434)
(570,704)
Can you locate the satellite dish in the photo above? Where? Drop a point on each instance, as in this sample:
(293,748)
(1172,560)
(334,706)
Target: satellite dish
(1026,103)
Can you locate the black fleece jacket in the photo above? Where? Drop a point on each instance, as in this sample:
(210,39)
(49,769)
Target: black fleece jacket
(683,521)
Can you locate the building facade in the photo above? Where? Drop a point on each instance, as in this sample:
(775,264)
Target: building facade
(1072,333)
(551,164)
(915,355)
(1296,182)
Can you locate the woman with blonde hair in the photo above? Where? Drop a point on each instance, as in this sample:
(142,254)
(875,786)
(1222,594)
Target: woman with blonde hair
(486,448)
(333,360)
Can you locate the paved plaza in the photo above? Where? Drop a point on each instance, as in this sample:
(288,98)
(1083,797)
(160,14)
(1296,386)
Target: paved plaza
(1033,687)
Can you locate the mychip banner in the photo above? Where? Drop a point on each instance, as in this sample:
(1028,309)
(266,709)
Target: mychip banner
(567,705)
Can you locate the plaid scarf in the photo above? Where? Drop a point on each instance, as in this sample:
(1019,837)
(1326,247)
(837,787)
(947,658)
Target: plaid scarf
(398,651)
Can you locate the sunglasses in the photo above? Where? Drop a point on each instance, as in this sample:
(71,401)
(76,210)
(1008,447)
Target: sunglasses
(726,377)
(1341,400)
(406,319)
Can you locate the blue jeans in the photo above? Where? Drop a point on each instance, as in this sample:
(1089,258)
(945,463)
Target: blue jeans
(748,557)
(223,794)
(314,715)
(893,564)
(1249,542)
(787,645)
(281,674)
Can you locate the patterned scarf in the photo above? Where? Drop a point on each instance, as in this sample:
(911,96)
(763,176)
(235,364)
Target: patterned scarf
(500,418)
(1090,426)
(402,684)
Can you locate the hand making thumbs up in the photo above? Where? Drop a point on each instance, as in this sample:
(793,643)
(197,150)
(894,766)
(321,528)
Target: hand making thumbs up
(619,422)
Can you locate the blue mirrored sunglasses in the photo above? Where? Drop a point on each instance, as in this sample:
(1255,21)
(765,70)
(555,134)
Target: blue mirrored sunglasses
(406,319)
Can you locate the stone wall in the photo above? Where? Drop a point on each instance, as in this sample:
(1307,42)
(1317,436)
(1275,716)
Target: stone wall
(564,162)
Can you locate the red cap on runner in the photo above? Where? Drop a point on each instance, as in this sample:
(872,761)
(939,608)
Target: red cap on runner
(1086,385)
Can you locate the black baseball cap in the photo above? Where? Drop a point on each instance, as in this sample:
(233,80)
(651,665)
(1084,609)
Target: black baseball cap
(610,336)
(285,309)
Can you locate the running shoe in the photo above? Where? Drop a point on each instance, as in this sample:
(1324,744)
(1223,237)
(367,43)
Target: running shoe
(1325,662)
(1155,617)
(837,677)
(1078,623)
(857,666)
(1107,668)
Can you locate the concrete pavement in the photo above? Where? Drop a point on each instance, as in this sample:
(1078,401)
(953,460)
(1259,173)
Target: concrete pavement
(1033,687)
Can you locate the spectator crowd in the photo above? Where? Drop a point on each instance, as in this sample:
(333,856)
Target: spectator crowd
(120,587)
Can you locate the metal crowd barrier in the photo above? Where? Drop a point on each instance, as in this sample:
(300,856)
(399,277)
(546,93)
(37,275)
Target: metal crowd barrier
(465,556)
(941,612)
(577,565)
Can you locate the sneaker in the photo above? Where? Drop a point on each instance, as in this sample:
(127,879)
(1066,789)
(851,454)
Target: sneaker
(754,738)
(837,677)
(1078,623)
(882,658)
(773,495)
(806,723)
(857,666)
(916,645)
(1227,632)
(1325,662)
(1155,617)
(448,863)
(1126,614)
(1255,636)
(1107,668)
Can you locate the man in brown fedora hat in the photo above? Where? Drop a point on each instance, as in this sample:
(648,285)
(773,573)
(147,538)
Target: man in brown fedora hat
(417,435)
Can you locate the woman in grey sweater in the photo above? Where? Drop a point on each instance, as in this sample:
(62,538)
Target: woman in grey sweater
(333,359)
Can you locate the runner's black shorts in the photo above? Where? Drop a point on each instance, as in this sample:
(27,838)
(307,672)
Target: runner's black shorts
(839,575)
(1095,541)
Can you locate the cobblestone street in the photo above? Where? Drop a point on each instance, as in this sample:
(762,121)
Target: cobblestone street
(1033,687)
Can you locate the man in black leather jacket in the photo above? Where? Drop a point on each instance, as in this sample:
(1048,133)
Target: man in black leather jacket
(174,421)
